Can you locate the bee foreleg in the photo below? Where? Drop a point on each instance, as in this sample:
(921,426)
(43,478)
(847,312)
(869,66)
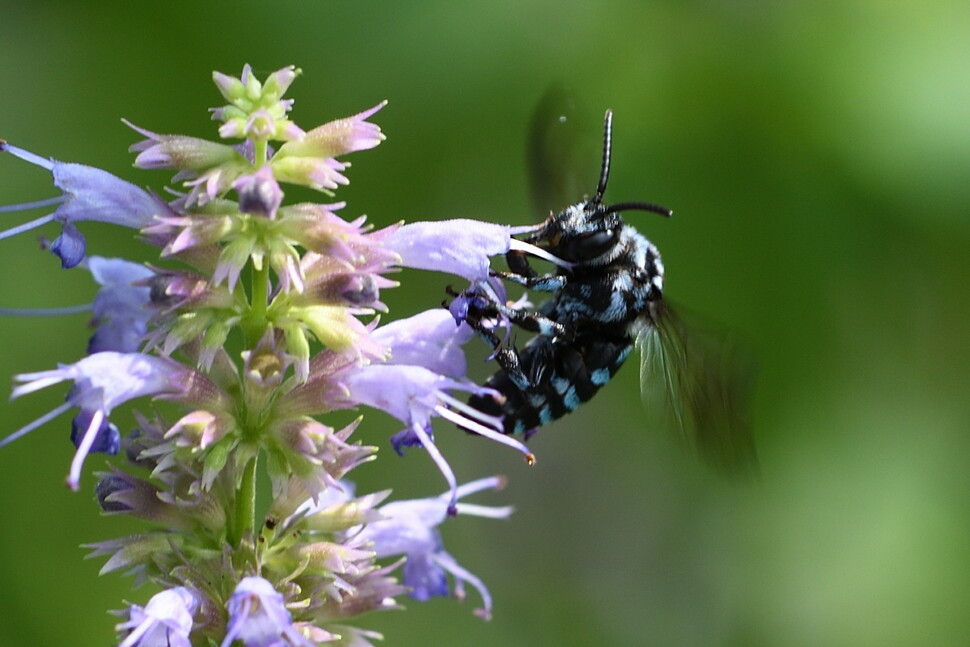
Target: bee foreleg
(522,273)
(538,282)
(518,263)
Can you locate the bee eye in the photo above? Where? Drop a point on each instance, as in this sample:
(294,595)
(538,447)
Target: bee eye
(591,245)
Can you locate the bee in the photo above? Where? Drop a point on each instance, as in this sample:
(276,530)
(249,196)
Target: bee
(606,298)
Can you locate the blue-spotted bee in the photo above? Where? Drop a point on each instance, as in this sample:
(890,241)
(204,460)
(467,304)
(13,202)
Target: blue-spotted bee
(606,297)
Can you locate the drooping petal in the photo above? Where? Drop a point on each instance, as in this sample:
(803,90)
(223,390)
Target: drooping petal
(69,246)
(101,382)
(258,617)
(107,438)
(409,393)
(165,621)
(414,395)
(120,307)
(410,528)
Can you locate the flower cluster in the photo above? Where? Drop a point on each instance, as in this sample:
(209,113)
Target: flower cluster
(258,320)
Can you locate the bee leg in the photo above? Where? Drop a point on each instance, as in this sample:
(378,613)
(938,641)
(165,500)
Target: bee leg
(537,323)
(525,373)
(537,360)
(538,282)
(480,313)
(523,274)
(531,321)
(506,357)
(511,363)
(530,369)
(479,308)
(518,263)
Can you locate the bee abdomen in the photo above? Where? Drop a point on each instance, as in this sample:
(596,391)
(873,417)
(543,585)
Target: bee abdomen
(575,373)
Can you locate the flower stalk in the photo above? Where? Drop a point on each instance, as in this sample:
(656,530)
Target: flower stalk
(255,379)
(255,323)
(245,517)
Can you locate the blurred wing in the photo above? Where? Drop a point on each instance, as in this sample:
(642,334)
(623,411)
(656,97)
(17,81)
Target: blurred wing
(562,168)
(696,381)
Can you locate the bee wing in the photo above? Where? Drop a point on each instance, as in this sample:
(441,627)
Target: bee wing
(560,139)
(695,380)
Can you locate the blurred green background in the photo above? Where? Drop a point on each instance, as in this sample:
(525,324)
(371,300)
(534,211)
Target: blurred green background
(816,155)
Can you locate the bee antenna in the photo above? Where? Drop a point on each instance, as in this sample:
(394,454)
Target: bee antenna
(607,148)
(605,176)
(638,206)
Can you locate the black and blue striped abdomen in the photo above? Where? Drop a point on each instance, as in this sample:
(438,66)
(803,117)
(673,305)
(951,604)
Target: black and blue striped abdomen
(563,375)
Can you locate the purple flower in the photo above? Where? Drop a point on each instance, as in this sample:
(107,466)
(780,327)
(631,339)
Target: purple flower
(410,528)
(414,395)
(120,312)
(101,382)
(164,622)
(429,339)
(460,247)
(88,194)
(413,385)
(258,617)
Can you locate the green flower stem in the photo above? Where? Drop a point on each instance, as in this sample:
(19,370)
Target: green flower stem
(255,323)
(260,291)
(245,517)
(260,147)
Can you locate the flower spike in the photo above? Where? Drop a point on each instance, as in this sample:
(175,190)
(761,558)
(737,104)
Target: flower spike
(256,327)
